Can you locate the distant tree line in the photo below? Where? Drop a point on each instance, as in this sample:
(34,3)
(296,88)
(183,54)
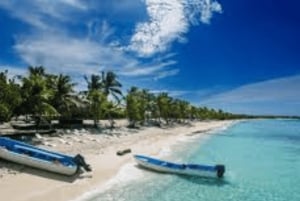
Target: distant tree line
(52,96)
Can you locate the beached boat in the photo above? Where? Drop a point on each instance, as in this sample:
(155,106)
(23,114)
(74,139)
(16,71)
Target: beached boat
(187,169)
(29,155)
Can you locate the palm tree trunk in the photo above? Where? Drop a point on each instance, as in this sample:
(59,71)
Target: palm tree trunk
(95,122)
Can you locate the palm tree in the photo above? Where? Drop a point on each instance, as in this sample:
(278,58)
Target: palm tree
(97,100)
(93,96)
(94,83)
(133,107)
(110,85)
(106,83)
(176,110)
(39,70)
(164,105)
(184,109)
(63,94)
(35,94)
(10,97)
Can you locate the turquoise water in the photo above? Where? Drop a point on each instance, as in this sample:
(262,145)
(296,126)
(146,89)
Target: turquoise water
(262,159)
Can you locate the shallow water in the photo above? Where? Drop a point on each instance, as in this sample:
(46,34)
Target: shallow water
(262,159)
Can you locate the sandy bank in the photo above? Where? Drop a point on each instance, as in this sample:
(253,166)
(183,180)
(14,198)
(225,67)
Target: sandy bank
(20,183)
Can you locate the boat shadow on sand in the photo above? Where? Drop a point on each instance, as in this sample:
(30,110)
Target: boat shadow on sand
(14,169)
(193,179)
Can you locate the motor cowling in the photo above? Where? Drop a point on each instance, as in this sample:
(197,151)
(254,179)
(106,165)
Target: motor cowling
(79,160)
(220,170)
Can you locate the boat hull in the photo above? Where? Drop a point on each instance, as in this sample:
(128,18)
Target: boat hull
(175,168)
(25,154)
(37,163)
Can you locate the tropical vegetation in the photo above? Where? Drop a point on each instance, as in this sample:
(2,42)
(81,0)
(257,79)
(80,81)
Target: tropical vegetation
(41,94)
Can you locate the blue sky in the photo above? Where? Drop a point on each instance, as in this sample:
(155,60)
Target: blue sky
(242,56)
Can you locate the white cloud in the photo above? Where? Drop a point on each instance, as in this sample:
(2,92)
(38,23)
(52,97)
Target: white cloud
(168,21)
(60,53)
(12,70)
(146,70)
(75,3)
(276,96)
(100,29)
(49,40)
(281,89)
(43,14)
(67,54)
(202,10)
(166,73)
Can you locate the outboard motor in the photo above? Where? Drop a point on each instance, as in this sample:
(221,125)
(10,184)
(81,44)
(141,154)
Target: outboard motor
(79,160)
(220,170)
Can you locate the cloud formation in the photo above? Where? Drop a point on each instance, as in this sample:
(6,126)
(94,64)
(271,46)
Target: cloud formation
(43,14)
(168,21)
(68,54)
(83,56)
(76,37)
(277,95)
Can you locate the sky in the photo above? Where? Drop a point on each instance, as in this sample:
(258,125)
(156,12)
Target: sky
(242,56)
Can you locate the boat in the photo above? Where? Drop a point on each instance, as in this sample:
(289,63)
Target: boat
(23,153)
(214,171)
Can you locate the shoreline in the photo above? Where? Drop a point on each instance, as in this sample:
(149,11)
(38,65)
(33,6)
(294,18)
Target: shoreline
(24,183)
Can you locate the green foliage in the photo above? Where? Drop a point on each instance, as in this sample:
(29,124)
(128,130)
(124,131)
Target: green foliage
(63,98)
(40,93)
(134,106)
(94,83)
(4,113)
(107,83)
(110,85)
(10,97)
(36,94)
(164,106)
(97,101)
(99,89)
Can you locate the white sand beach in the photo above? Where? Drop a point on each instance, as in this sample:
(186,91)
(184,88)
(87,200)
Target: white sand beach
(20,183)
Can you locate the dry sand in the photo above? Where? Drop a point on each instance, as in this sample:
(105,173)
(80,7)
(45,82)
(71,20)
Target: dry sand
(19,183)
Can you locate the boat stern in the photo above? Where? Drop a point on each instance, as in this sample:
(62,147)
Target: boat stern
(220,170)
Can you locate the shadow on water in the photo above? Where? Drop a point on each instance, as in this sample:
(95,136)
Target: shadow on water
(205,180)
(14,168)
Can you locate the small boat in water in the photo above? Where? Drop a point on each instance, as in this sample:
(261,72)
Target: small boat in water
(187,169)
(29,155)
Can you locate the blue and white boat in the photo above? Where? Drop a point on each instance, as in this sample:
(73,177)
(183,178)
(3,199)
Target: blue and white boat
(29,155)
(187,169)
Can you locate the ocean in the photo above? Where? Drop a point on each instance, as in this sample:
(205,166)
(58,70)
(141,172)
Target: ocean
(262,159)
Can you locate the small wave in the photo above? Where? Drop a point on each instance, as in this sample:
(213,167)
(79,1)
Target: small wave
(186,139)
(126,174)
